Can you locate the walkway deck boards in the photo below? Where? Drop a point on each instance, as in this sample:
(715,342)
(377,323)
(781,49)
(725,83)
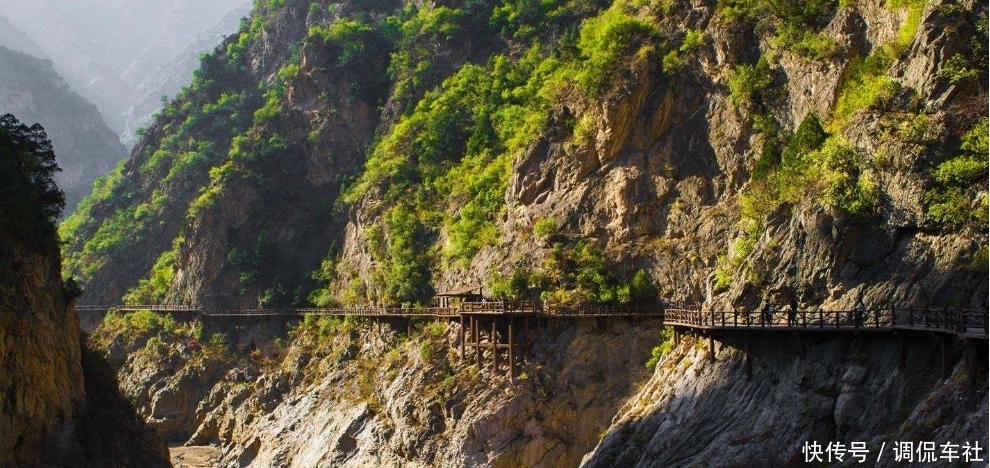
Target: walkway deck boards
(961,322)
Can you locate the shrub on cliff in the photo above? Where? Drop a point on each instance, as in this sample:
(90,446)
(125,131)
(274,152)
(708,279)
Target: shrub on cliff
(959,197)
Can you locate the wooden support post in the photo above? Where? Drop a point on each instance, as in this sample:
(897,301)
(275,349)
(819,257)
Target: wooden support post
(409,326)
(494,343)
(512,357)
(749,360)
(711,348)
(475,326)
(462,337)
(526,345)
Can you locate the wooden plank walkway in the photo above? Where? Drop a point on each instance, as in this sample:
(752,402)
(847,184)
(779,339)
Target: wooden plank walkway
(965,323)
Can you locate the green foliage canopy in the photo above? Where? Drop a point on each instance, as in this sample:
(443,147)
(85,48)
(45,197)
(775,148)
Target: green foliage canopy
(30,201)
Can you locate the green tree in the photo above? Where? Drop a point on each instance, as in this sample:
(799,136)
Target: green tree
(30,201)
(809,136)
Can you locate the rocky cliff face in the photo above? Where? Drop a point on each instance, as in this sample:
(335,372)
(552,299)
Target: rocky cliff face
(228,156)
(61,406)
(376,396)
(669,180)
(681,154)
(869,389)
(86,147)
(42,379)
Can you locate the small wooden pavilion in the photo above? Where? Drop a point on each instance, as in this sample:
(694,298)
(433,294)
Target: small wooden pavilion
(456,297)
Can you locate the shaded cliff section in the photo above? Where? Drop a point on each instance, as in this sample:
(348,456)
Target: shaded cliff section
(697,410)
(41,376)
(60,404)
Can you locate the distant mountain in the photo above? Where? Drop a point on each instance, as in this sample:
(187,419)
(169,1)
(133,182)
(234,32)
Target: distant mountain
(112,47)
(14,39)
(171,75)
(85,146)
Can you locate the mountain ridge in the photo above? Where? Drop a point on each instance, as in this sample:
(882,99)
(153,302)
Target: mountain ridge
(566,152)
(86,147)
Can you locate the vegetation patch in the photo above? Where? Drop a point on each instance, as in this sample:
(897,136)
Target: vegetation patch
(663,349)
(864,84)
(153,289)
(958,198)
(572,275)
(797,24)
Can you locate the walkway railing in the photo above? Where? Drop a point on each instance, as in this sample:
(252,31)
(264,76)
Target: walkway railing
(502,307)
(964,322)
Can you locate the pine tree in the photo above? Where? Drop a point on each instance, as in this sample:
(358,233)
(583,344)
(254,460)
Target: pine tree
(30,201)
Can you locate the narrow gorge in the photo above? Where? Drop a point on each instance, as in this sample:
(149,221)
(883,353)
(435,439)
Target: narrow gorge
(721,158)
